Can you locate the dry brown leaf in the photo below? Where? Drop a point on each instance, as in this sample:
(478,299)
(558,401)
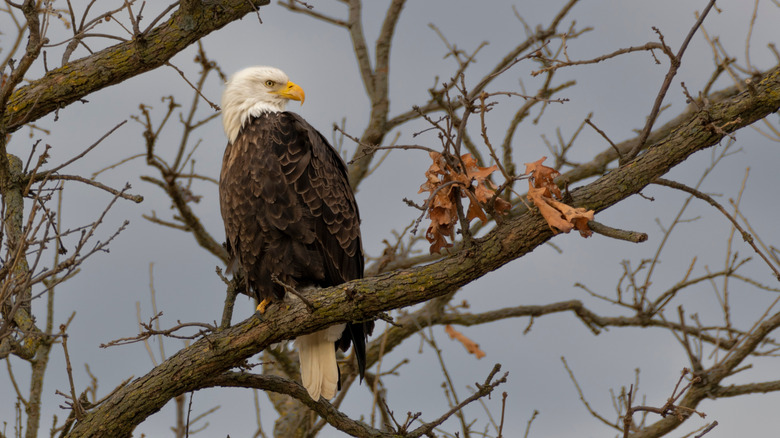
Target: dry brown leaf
(581,224)
(475,209)
(436,239)
(543,176)
(552,215)
(577,216)
(442,181)
(476,172)
(542,191)
(471,346)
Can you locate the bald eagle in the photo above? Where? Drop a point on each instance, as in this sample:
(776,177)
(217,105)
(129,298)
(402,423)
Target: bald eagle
(289,211)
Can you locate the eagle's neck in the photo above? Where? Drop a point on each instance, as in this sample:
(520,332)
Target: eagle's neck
(237,112)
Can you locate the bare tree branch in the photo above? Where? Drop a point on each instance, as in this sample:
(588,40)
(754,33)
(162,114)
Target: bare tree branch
(100,70)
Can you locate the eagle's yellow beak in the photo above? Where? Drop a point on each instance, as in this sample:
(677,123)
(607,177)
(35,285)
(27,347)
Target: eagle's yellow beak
(292,91)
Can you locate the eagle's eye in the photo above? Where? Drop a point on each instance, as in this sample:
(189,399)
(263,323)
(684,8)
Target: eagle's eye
(270,83)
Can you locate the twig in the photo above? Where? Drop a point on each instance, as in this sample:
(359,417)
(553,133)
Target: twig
(558,64)
(582,396)
(149,332)
(375,387)
(503,412)
(135,198)
(46,174)
(630,236)
(674,65)
(189,411)
(78,410)
(291,6)
(528,426)
(603,134)
(293,291)
(680,412)
(230,300)
(213,105)
(141,326)
(482,390)
(449,386)
(747,237)
(707,429)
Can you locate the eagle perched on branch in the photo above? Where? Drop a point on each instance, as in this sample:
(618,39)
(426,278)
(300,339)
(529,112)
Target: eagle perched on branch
(290,215)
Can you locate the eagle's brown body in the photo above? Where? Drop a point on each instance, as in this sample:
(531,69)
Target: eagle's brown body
(290,213)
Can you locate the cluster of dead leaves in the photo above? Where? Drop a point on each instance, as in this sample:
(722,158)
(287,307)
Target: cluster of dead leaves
(445,184)
(543,191)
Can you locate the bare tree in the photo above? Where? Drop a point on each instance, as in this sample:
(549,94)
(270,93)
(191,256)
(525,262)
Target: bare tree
(456,249)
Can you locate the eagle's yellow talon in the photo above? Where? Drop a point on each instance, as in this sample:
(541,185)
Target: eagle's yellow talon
(263,305)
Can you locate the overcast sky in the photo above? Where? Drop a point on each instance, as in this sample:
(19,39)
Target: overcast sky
(318,57)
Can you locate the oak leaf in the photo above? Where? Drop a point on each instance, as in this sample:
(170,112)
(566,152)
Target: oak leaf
(553,216)
(543,176)
(471,346)
(542,191)
(446,185)
(577,216)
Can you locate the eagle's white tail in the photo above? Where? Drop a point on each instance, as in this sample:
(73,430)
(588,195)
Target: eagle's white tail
(317,354)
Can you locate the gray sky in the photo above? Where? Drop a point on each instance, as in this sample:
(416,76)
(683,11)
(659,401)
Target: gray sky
(318,56)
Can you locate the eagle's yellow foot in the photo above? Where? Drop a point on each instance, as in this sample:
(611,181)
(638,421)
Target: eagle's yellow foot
(263,305)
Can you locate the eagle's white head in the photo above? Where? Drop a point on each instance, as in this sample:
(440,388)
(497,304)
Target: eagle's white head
(253,91)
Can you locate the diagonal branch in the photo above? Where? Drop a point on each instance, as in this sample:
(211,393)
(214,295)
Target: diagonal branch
(122,61)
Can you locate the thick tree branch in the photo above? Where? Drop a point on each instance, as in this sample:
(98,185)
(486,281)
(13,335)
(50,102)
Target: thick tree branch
(376,82)
(74,80)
